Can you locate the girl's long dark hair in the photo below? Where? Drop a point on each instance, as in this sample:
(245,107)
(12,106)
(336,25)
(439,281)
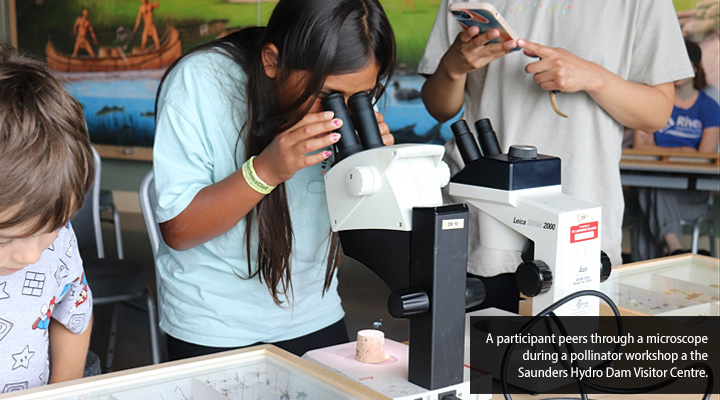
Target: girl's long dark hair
(319,38)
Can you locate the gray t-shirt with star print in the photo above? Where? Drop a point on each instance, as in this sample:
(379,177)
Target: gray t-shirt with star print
(54,287)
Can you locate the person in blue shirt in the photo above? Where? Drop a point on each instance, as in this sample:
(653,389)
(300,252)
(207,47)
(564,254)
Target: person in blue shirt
(242,144)
(694,127)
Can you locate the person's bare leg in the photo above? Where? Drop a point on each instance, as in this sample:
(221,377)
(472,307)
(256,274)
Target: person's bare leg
(89,49)
(412,5)
(156,39)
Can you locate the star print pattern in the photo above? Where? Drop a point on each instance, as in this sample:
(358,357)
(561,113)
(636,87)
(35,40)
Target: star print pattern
(22,359)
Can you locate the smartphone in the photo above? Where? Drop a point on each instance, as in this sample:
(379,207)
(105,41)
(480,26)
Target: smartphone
(485,17)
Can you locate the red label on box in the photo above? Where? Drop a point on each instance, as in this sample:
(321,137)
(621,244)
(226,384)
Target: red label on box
(583,232)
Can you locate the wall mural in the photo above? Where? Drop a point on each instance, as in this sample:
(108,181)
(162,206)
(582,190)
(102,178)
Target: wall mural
(113,53)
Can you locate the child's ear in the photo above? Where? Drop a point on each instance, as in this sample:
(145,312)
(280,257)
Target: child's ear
(269,59)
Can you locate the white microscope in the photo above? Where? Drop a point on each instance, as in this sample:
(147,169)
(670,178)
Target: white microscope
(386,204)
(522,208)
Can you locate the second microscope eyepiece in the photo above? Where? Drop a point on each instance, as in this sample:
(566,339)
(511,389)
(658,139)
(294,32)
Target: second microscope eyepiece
(487,138)
(348,143)
(363,116)
(465,140)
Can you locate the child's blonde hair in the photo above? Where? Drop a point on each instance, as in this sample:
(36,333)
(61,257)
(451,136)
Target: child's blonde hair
(46,160)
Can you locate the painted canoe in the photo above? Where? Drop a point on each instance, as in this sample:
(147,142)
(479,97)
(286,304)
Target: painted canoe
(114,59)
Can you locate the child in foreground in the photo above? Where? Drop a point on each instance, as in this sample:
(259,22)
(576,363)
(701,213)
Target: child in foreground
(47,166)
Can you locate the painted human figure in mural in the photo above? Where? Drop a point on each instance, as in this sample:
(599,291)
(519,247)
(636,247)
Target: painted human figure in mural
(80,30)
(412,5)
(146,14)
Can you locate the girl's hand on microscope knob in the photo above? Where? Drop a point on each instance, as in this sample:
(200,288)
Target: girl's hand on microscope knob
(297,147)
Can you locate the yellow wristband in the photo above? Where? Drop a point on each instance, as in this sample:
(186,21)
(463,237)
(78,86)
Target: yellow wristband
(253,179)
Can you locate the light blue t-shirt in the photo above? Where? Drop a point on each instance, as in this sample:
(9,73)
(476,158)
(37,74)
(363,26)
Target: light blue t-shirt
(201,109)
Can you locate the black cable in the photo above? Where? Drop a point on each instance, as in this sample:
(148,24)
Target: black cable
(550,311)
(539,316)
(563,331)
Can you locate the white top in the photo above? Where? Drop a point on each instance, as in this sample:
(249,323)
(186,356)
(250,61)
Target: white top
(203,300)
(639,40)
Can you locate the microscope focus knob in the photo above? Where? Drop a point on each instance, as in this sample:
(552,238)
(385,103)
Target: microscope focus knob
(408,302)
(533,278)
(523,152)
(363,181)
(605,266)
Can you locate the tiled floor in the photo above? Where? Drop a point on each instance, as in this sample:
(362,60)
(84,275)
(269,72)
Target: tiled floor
(364,296)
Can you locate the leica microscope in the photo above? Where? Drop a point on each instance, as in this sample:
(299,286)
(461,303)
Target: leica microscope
(521,207)
(386,203)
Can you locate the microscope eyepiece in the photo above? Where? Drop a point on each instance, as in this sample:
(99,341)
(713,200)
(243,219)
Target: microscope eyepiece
(348,143)
(465,140)
(363,116)
(487,138)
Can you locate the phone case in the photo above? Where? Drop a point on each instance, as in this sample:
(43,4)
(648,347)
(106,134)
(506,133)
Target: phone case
(484,16)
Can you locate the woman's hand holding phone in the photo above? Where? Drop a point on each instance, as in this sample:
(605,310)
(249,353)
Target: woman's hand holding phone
(485,37)
(472,50)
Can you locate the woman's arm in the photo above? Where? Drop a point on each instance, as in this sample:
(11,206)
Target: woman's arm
(709,141)
(645,141)
(220,206)
(67,352)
